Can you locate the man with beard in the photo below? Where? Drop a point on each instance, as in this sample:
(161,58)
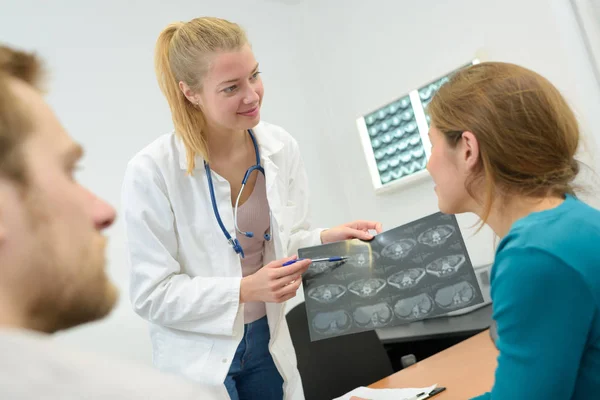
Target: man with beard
(52,262)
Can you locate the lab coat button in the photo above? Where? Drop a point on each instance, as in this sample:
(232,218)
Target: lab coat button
(281,229)
(224,360)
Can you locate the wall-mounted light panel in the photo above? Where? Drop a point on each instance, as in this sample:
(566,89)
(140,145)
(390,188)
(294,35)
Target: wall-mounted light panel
(395,140)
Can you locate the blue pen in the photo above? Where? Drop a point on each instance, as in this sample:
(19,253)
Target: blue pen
(327,259)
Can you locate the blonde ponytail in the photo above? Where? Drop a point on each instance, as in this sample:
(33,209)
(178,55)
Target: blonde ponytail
(181,55)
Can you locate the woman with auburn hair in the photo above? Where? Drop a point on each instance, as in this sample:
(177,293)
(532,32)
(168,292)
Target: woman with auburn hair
(213,212)
(503,145)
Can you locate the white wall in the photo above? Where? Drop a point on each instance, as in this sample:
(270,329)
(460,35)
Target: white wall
(104,91)
(588,19)
(369,53)
(321,71)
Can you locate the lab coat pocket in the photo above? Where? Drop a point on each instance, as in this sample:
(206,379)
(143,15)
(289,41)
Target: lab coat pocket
(182,353)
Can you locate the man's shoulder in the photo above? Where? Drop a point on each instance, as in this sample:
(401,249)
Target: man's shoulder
(35,366)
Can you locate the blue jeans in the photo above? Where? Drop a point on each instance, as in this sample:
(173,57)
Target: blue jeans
(253,375)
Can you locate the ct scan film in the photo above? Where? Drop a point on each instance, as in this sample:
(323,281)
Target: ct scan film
(416,271)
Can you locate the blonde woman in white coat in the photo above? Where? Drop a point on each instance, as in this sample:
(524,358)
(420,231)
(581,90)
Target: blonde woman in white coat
(207,251)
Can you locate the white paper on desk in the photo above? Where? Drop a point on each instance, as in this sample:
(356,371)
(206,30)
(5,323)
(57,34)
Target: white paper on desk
(385,394)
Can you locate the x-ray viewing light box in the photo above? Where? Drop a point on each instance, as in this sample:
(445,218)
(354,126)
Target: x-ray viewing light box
(395,140)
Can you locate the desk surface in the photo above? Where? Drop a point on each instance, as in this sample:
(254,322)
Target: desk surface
(472,322)
(466,370)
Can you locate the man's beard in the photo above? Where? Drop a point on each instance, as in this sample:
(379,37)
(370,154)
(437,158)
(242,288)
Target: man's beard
(67,284)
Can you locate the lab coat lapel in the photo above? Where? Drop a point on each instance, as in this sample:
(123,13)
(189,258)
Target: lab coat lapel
(271,172)
(269,147)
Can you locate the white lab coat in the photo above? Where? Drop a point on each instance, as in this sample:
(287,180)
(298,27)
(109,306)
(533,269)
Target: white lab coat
(185,277)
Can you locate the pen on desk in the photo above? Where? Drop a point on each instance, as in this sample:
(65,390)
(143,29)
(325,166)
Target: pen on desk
(326,259)
(425,395)
(435,391)
(418,396)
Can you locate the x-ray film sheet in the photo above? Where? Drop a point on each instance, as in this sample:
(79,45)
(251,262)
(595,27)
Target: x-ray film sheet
(416,271)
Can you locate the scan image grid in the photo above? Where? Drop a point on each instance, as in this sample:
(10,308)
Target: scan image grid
(410,273)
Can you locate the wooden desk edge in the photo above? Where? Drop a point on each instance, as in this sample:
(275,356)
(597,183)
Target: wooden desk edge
(465,369)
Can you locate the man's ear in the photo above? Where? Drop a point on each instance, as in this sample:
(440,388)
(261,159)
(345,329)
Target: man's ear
(469,151)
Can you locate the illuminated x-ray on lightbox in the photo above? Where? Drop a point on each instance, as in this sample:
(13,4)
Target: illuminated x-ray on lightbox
(395,137)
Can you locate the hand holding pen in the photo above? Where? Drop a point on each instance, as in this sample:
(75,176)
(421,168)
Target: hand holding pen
(274,283)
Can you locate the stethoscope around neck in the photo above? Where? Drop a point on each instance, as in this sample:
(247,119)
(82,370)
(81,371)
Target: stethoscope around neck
(234,242)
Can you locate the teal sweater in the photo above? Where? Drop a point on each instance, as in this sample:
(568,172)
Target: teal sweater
(546,300)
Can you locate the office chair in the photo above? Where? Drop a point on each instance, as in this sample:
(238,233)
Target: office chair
(332,367)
